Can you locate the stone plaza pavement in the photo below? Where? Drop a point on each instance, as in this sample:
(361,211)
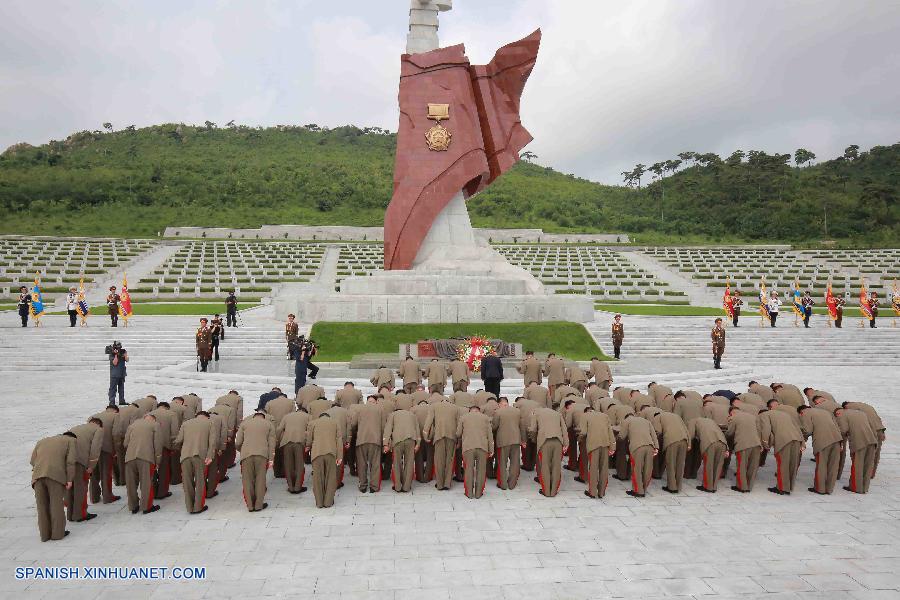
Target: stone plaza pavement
(509,544)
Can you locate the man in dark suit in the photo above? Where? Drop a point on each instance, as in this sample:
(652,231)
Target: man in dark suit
(264,398)
(492,373)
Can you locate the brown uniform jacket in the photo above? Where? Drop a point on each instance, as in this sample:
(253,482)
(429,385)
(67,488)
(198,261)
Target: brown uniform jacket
(639,432)
(401,425)
(442,421)
(596,430)
(462,399)
(481,397)
(658,393)
(342,416)
(421,411)
(671,426)
(197,437)
(562,391)
(347,396)
(547,424)
(54,457)
(403,401)
(706,432)
(317,407)
(575,374)
(641,401)
(474,432)
(820,424)
(236,403)
(88,444)
(753,398)
(369,421)
(146,404)
(279,408)
(530,369)
(436,372)
(307,394)
(224,415)
(873,416)
(168,426)
(743,428)
(784,429)
(717,412)
(292,429)
(509,428)
(382,376)
(143,440)
(689,408)
(409,372)
(459,371)
(193,404)
(255,437)
(618,412)
(538,394)
(555,370)
(109,419)
(593,395)
(763,391)
(324,438)
(128,414)
(855,426)
(790,395)
(599,371)
(435,398)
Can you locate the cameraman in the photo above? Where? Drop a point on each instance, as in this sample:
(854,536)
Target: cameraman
(118,356)
(306,350)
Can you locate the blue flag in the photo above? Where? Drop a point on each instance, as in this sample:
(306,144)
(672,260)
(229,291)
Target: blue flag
(37,300)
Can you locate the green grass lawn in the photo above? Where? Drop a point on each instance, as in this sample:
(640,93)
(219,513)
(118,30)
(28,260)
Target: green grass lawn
(8,306)
(150,309)
(342,341)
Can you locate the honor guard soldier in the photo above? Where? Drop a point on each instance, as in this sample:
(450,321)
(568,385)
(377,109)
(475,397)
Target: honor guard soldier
(401,438)
(255,441)
(807,303)
(476,441)
(549,430)
(325,447)
(143,451)
(873,306)
(292,337)
(88,443)
(718,343)
(826,440)
(459,375)
(24,307)
(217,328)
(618,335)
(291,440)
(197,439)
(52,472)
(736,303)
(231,310)
(530,369)
(599,445)
(204,344)
(112,305)
(839,303)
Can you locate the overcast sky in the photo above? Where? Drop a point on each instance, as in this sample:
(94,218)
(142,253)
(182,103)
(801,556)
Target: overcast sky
(616,83)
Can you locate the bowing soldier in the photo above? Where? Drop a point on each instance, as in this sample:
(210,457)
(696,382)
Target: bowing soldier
(786,441)
(875,423)
(673,446)
(255,440)
(599,445)
(509,440)
(476,441)
(368,422)
(460,375)
(290,436)
(854,426)
(143,452)
(382,376)
(826,442)
(324,444)
(88,443)
(52,472)
(198,440)
(436,373)
(643,445)
(530,369)
(440,427)
(278,409)
(600,373)
(401,439)
(168,427)
(425,453)
(549,430)
(708,436)
(744,429)
(410,373)
(576,377)
(555,371)
(101,476)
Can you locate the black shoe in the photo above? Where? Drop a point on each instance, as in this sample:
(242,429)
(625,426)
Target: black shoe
(700,488)
(568,468)
(197,512)
(847,487)
(634,494)
(113,499)
(579,480)
(153,508)
(541,492)
(340,485)
(66,532)
(537,479)
(134,511)
(301,490)
(588,494)
(670,491)
(89,516)
(736,488)
(363,490)
(375,491)
(312,376)
(264,506)
(224,479)
(213,495)
(163,497)
(815,491)
(775,490)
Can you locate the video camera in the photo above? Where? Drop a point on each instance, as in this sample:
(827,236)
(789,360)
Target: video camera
(114,348)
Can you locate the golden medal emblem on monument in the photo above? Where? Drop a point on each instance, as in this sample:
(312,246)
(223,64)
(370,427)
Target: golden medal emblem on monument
(438,137)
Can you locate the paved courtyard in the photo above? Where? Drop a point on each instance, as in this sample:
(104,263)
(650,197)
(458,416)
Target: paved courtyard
(429,544)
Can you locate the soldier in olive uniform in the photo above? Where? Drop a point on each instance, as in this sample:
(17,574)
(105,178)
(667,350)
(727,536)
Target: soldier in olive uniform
(101,477)
(549,431)
(600,372)
(826,440)
(410,374)
(743,429)
(197,440)
(368,422)
(718,343)
(436,373)
(618,335)
(291,337)
(643,445)
(291,439)
(143,452)
(530,369)
(255,440)
(440,428)
(475,439)
(854,426)
(112,305)
(509,440)
(459,375)
(88,444)
(204,344)
(401,438)
(708,436)
(786,441)
(325,444)
(52,471)
(599,445)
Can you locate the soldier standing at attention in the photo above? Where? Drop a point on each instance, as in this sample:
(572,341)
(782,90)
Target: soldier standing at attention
(368,422)
(143,451)
(530,369)
(325,443)
(88,442)
(401,438)
(807,303)
(24,307)
(218,332)
(459,375)
(292,336)
(839,303)
(198,440)
(52,472)
(618,335)
(291,438)
(231,310)
(820,424)
(204,344)
(600,372)
(555,371)
(549,430)
(255,441)
(509,436)
(718,343)
(410,374)
(743,428)
(476,440)
(713,450)
(873,306)
(643,445)
(112,305)
(736,304)
(599,445)
(854,426)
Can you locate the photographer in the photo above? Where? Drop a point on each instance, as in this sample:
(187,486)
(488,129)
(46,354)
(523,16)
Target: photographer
(307,349)
(118,356)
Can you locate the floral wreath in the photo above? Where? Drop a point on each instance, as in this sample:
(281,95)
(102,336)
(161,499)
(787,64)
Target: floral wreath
(473,349)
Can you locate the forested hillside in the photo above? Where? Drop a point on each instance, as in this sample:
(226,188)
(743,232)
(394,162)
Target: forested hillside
(135,182)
